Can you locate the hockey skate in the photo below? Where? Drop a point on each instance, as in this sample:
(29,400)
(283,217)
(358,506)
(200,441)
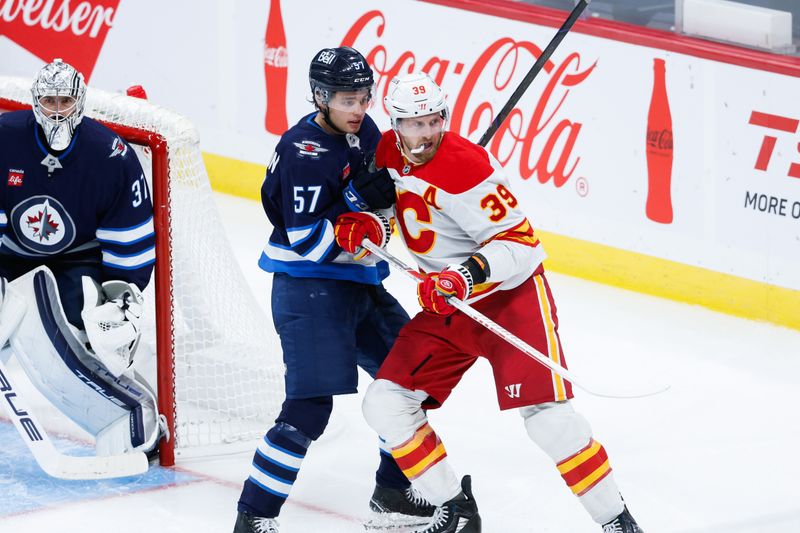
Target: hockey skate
(246,523)
(624,523)
(459,515)
(394,509)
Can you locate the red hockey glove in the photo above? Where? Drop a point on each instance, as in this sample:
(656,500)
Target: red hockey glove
(352,228)
(433,291)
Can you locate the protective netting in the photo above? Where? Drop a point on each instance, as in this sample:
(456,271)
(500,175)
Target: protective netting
(228,377)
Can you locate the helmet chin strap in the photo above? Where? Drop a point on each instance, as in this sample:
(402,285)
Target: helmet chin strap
(327,118)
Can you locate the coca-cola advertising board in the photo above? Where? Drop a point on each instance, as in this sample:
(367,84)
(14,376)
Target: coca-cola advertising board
(630,146)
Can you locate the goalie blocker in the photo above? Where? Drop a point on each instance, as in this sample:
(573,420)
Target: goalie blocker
(119,409)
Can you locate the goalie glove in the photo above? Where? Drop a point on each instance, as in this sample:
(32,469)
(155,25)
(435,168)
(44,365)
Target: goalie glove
(111,316)
(352,228)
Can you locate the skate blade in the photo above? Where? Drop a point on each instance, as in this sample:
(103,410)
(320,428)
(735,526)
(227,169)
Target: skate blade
(395,522)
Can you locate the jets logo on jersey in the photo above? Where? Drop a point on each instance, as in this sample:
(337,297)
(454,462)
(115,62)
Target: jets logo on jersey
(118,148)
(309,149)
(15,177)
(513,390)
(42,225)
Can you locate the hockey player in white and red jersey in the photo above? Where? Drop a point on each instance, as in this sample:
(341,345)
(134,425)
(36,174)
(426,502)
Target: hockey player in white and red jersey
(471,240)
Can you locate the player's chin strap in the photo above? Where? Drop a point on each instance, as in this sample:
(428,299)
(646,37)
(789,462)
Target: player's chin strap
(53,462)
(524,347)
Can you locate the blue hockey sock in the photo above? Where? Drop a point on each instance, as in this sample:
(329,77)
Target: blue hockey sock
(280,454)
(274,470)
(389,474)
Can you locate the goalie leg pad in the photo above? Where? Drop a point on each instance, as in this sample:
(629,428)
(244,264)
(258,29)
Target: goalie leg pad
(58,364)
(566,437)
(12,309)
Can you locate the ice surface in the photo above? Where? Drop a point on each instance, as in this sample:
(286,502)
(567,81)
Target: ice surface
(717,453)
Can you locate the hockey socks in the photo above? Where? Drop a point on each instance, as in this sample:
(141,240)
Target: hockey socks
(389,474)
(423,460)
(274,470)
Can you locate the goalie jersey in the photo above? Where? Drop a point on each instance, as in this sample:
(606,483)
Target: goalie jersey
(88,205)
(458,204)
(302,196)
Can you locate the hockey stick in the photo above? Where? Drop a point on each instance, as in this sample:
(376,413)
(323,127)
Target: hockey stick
(53,462)
(512,339)
(534,71)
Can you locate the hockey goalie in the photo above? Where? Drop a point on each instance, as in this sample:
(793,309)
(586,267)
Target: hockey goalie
(77,249)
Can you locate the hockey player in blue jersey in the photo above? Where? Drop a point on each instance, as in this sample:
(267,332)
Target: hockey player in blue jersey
(331,310)
(77,248)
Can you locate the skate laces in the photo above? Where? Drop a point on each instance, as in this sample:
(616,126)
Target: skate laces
(416,498)
(613,527)
(265,525)
(440,517)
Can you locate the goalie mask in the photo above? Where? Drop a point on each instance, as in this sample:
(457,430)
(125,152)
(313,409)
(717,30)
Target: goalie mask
(419,114)
(59,93)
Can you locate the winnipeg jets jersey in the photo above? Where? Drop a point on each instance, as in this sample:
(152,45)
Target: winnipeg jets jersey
(457,204)
(90,204)
(302,196)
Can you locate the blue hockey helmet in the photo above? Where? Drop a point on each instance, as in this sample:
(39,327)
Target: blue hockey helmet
(338,69)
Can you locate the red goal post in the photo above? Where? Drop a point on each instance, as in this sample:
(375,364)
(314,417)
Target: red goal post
(219,377)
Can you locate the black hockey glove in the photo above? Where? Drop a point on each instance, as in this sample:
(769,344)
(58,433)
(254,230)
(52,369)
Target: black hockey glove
(371,188)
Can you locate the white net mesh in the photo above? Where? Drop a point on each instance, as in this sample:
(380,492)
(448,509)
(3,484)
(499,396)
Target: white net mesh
(228,372)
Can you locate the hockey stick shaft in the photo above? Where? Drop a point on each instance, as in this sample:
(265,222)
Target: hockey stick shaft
(509,337)
(534,71)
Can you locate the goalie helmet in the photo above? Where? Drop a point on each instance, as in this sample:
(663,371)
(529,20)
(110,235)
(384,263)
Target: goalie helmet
(338,69)
(414,95)
(59,93)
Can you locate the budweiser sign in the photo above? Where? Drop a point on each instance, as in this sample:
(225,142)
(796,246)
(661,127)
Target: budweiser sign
(74,31)
(536,132)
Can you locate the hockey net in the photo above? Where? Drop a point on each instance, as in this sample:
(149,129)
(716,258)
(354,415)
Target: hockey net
(219,373)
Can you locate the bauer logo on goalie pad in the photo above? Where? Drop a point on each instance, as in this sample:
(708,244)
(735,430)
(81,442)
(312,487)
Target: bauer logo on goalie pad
(8,396)
(43,225)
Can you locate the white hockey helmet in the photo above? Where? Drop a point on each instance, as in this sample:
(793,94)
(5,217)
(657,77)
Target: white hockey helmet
(414,95)
(59,93)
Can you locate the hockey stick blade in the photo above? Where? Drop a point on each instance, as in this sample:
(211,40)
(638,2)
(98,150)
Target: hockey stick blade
(53,462)
(527,349)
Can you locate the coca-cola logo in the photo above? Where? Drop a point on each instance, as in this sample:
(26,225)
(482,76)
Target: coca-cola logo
(73,31)
(538,133)
(659,139)
(276,57)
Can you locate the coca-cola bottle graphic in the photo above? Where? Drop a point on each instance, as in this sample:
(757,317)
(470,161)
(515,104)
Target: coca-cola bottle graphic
(659,150)
(275,70)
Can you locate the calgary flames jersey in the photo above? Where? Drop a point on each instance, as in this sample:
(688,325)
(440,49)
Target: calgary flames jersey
(457,204)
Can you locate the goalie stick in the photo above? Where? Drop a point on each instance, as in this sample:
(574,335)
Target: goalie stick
(535,69)
(512,339)
(52,461)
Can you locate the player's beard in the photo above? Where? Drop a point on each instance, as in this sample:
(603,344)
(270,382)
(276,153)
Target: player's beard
(423,151)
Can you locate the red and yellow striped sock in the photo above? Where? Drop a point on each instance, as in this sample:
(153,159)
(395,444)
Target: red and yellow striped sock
(416,455)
